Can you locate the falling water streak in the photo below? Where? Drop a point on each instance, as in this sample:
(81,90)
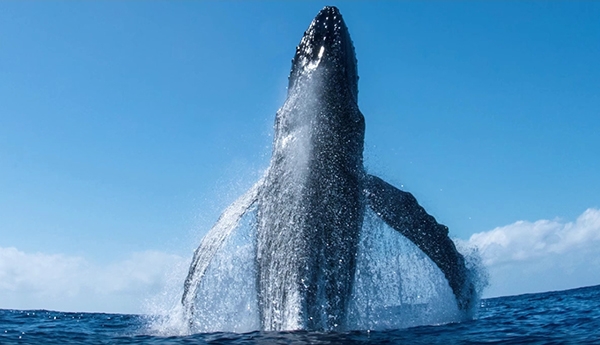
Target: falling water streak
(210,245)
(226,298)
(396,284)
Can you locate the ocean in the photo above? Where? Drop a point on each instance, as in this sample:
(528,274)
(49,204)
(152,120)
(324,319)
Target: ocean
(559,317)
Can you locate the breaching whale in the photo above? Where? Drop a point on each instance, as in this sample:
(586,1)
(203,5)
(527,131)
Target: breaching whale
(311,202)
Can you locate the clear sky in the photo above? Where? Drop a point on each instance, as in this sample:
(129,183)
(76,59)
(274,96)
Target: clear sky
(126,128)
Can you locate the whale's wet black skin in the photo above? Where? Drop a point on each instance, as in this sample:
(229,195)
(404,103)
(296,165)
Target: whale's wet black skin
(312,200)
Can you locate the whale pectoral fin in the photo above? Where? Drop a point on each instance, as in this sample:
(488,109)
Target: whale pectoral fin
(401,211)
(212,242)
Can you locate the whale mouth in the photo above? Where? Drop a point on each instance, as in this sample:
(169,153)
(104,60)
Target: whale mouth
(327,45)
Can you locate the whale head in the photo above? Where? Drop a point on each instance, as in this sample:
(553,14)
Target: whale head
(320,127)
(326,48)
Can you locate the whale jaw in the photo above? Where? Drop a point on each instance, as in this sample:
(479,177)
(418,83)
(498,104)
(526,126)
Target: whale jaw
(326,47)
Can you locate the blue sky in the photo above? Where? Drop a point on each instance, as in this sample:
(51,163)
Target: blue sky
(126,128)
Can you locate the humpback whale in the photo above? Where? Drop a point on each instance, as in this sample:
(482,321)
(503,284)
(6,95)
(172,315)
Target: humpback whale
(311,201)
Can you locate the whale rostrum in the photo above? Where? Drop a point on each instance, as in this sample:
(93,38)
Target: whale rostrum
(311,202)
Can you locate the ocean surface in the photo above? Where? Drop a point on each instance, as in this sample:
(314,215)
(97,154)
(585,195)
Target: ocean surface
(560,317)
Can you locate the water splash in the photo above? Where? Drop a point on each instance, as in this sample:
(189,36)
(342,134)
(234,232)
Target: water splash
(396,286)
